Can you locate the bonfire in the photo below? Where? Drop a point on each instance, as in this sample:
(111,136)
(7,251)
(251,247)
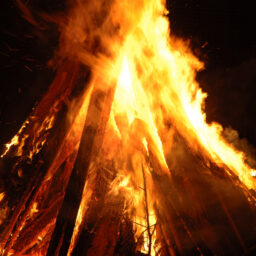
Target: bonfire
(117,158)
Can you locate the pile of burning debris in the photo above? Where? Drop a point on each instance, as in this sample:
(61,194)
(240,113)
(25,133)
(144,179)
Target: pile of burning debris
(117,158)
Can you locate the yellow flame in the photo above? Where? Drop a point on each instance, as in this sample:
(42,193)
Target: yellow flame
(39,137)
(131,102)
(2,195)
(157,83)
(15,140)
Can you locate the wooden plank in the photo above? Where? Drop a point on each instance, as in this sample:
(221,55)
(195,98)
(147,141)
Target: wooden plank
(91,141)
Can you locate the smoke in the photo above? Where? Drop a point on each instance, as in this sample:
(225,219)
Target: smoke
(232,137)
(230,102)
(231,96)
(98,32)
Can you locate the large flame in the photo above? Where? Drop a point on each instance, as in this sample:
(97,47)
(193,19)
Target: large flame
(154,80)
(157,77)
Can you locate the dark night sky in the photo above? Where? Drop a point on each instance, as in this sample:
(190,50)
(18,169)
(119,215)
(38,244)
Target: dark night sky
(228,27)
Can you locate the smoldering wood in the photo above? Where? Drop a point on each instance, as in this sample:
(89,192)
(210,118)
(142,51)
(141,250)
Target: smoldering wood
(6,239)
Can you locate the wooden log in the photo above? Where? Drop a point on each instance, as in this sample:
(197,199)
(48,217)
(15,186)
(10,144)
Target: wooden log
(107,228)
(59,90)
(91,141)
(6,238)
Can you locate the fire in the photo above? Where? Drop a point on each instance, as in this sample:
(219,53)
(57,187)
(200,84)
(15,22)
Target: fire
(131,102)
(15,141)
(40,136)
(130,105)
(162,73)
(152,77)
(157,83)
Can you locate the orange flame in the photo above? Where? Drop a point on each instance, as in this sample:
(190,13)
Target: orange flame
(155,82)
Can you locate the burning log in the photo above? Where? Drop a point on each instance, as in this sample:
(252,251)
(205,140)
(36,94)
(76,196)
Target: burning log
(91,140)
(24,163)
(43,169)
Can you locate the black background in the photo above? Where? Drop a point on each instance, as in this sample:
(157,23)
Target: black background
(221,33)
